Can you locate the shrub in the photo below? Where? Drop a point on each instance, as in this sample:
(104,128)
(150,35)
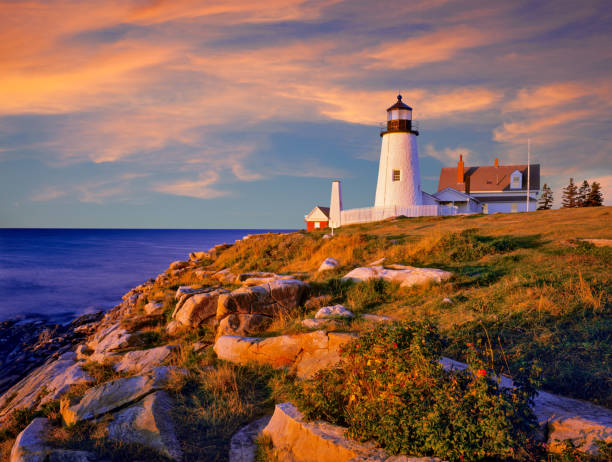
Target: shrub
(369,293)
(390,387)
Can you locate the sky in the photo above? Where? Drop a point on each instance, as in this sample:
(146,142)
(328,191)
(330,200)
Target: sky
(238,114)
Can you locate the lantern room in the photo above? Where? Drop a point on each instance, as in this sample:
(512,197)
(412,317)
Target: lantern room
(399,118)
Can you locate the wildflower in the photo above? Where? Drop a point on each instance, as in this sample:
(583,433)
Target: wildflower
(394,345)
(481,372)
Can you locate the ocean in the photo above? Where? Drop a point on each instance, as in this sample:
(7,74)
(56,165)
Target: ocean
(59,274)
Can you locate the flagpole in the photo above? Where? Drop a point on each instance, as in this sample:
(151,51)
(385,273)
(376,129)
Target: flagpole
(528,171)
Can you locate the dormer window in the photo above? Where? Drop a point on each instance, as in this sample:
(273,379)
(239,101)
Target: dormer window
(516,180)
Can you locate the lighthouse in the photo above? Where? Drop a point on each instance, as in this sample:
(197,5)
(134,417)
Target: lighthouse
(399,179)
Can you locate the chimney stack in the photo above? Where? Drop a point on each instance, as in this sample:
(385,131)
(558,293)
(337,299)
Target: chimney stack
(460,175)
(335,205)
(496,162)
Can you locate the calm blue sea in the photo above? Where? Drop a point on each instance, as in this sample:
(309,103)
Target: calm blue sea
(63,273)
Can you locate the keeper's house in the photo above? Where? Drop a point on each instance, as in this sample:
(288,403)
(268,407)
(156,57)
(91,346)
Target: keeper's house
(318,218)
(496,188)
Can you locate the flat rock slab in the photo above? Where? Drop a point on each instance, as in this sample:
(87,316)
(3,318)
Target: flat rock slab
(406,276)
(142,361)
(55,376)
(148,422)
(304,353)
(112,395)
(242,445)
(319,441)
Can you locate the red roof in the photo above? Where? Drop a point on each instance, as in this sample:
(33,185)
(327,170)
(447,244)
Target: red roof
(488,178)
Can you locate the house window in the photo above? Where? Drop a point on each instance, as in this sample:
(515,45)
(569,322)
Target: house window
(396,175)
(514,208)
(317,225)
(485,208)
(515,180)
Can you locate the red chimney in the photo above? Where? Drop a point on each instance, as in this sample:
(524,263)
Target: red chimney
(496,162)
(460,169)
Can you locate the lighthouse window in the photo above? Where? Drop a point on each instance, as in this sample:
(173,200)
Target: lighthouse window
(396,175)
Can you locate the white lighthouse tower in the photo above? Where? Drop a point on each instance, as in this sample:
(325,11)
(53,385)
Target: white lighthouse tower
(399,179)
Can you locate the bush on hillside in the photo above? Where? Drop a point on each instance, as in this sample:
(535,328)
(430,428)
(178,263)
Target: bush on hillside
(390,387)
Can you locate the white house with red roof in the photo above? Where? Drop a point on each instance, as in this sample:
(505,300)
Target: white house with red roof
(492,188)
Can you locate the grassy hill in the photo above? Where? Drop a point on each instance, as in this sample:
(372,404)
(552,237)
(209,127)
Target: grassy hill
(524,285)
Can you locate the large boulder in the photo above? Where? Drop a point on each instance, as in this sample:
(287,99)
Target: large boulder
(142,361)
(303,353)
(296,439)
(570,419)
(243,447)
(107,340)
(154,308)
(32,445)
(406,276)
(328,264)
(55,378)
(198,308)
(243,324)
(334,311)
(148,422)
(113,395)
(270,299)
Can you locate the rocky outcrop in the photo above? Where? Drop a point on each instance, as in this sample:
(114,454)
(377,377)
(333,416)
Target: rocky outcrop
(268,299)
(54,378)
(32,445)
(565,418)
(143,361)
(301,441)
(107,340)
(242,445)
(27,344)
(154,308)
(198,308)
(406,276)
(112,395)
(243,324)
(328,264)
(375,317)
(304,353)
(149,423)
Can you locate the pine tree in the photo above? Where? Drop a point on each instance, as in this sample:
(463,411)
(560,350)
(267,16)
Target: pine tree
(595,198)
(569,195)
(583,194)
(546,199)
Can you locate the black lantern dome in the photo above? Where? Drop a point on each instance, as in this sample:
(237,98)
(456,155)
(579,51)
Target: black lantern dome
(399,118)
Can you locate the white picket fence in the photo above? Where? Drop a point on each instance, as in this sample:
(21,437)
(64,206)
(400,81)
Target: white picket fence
(369,214)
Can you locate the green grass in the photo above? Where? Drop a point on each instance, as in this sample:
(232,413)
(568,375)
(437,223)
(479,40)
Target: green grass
(525,279)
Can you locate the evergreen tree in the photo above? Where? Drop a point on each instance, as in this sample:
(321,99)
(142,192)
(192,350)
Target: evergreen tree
(546,199)
(569,195)
(595,198)
(583,194)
